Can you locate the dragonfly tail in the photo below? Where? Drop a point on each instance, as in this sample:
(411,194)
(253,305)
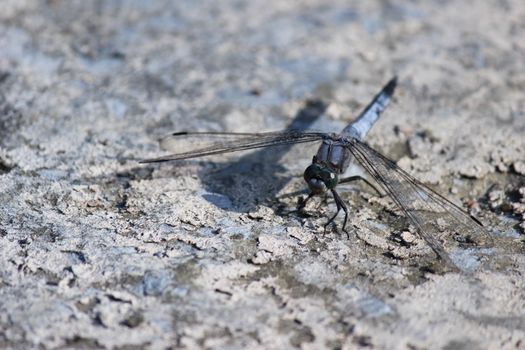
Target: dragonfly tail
(360,127)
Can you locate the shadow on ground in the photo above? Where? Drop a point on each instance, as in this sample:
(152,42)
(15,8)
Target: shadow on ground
(256,177)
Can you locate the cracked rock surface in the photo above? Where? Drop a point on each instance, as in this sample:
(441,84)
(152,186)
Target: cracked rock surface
(99,251)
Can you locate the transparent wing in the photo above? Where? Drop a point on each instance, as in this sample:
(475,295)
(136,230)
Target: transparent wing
(200,144)
(434,216)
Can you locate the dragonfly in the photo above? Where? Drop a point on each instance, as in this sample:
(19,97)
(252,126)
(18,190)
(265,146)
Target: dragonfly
(436,219)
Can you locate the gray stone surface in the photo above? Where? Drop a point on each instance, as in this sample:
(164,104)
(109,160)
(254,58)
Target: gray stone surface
(98,251)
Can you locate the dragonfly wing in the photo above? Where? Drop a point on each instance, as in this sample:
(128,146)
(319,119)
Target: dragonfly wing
(435,217)
(200,144)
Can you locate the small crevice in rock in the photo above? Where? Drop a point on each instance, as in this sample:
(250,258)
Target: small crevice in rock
(4,168)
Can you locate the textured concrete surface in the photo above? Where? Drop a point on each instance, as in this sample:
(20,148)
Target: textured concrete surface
(98,251)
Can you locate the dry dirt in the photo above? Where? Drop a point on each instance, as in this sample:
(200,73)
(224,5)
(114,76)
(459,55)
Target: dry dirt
(98,251)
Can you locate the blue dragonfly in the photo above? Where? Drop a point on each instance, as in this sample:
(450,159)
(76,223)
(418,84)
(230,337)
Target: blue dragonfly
(435,218)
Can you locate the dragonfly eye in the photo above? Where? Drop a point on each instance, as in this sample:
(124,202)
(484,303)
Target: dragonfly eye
(320,179)
(329,178)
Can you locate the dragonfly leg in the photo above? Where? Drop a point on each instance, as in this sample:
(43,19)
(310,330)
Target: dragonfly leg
(334,216)
(302,204)
(341,205)
(358,177)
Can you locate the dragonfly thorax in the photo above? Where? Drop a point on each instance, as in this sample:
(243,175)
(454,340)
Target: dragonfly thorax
(320,178)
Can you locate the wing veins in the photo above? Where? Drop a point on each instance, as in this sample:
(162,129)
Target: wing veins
(248,141)
(457,213)
(419,199)
(431,241)
(409,178)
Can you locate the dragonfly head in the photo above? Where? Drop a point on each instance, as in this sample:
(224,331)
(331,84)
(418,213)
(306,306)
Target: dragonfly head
(320,178)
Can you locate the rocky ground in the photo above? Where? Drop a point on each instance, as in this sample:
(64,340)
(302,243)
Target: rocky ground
(98,251)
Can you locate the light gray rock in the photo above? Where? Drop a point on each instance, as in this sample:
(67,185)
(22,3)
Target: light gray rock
(98,251)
